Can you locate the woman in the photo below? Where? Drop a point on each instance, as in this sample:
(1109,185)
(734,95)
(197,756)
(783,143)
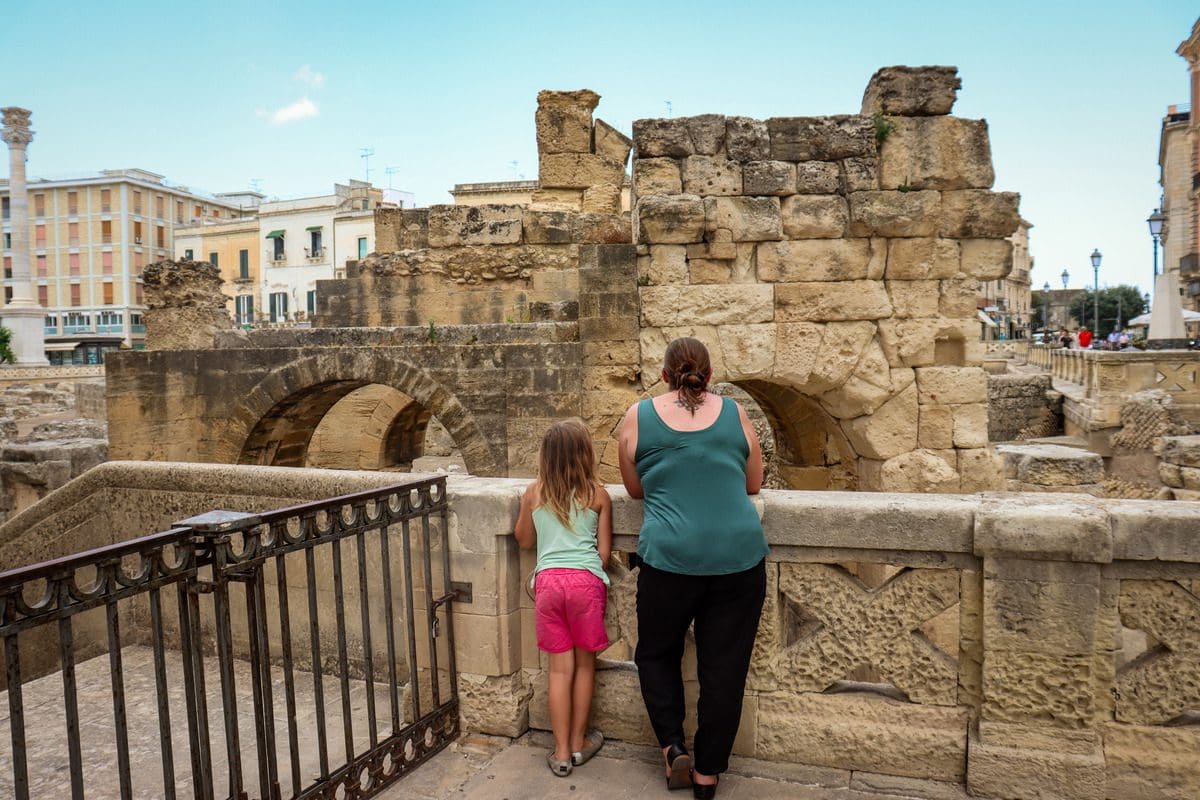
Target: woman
(695,459)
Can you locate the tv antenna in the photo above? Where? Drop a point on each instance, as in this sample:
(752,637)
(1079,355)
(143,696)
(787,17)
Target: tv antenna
(256,185)
(390,172)
(365,154)
(667,103)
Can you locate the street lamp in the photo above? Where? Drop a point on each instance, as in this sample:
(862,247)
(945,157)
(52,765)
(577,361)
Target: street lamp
(1155,221)
(1066,276)
(1096,290)
(1045,309)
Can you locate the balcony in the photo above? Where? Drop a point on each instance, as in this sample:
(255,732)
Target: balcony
(137,328)
(117,328)
(69,329)
(1189,265)
(314,255)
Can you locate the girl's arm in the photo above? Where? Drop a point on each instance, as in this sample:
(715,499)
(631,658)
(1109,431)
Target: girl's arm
(626,450)
(754,463)
(604,528)
(525,533)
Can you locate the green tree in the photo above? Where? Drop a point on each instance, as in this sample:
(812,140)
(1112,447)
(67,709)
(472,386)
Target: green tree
(1126,300)
(6,353)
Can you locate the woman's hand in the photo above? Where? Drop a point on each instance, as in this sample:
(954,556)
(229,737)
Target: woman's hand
(525,533)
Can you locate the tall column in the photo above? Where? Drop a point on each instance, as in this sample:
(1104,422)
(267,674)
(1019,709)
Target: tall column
(22,314)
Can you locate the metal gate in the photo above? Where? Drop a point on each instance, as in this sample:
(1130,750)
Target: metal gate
(335,614)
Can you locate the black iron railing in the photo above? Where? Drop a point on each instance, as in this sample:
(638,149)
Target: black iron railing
(266,597)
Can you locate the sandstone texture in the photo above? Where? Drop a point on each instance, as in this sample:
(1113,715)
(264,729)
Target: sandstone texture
(912,91)
(184,305)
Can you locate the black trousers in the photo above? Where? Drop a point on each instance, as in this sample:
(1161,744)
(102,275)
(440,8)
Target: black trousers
(725,610)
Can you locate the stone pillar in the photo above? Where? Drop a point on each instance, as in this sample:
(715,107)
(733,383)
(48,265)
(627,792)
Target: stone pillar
(184,305)
(1166,315)
(22,315)
(1049,632)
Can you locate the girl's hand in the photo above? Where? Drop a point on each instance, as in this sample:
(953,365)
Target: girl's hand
(525,533)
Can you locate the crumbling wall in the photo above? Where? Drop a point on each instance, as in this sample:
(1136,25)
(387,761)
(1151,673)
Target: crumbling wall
(184,305)
(46,458)
(1023,406)
(1179,466)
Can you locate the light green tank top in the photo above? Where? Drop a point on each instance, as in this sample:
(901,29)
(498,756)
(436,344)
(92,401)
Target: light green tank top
(574,547)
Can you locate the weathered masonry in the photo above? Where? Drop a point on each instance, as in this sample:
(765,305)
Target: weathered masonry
(829,263)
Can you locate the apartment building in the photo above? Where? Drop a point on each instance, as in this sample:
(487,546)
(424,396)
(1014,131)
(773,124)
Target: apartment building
(1006,302)
(90,238)
(233,246)
(1179,164)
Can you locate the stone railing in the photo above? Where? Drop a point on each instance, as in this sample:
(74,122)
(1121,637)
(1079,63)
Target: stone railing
(1027,645)
(1009,348)
(70,372)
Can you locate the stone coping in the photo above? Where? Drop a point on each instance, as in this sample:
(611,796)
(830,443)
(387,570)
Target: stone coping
(1122,356)
(516,333)
(1067,527)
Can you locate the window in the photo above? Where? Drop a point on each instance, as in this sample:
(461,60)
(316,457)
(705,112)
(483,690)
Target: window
(277,253)
(106,262)
(72,203)
(362,247)
(245,309)
(44,299)
(188,255)
(73,234)
(244,264)
(7,294)
(216,212)
(312,301)
(137,233)
(137,202)
(212,259)
(197,212)
(315,249)
(40,235)
(109,321)
(159,206)
(108,294)
(4,208)
(42,269)
(179,211)
(73,263)
(106,231)
(8,241)
(160,237)
(278,306)
(39,205)
(139,294)
(8,266)
(139,261)
(106,200)
(76,296)
(75,320)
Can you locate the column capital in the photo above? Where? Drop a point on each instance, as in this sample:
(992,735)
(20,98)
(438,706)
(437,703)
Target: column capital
(16,126)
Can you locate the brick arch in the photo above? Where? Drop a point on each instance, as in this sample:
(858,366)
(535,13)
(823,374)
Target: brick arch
(281,412)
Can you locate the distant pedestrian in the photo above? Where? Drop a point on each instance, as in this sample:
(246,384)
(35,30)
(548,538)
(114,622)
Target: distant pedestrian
(1085,339)
(1064,339)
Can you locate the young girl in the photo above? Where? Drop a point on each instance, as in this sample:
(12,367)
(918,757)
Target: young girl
(569,515)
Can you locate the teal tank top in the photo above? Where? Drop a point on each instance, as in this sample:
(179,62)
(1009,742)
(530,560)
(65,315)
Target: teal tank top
(574,547)
(698,519)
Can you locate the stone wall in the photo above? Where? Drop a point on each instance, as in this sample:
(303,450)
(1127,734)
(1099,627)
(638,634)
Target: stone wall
(1179,466)
(986,648)
(1023,406)
(184,305)
(89,399)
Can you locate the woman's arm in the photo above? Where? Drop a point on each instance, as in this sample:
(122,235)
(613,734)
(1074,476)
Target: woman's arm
(525,533)
(604,529)
(626,450)
(754,463)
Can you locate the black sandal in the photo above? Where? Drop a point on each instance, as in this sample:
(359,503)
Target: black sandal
(680,764)
(704,791)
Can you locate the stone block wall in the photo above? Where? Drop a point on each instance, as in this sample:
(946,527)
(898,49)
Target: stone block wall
(1179,466)
(184,305)
(1023,406)
(836,259)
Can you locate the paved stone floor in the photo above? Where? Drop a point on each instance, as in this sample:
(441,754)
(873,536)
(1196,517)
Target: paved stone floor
(475,767)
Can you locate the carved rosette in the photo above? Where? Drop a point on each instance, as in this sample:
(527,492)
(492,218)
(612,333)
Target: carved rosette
(16,126)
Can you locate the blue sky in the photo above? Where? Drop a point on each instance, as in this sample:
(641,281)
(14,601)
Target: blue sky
(213,95)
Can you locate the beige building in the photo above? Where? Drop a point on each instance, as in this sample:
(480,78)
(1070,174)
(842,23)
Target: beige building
(233,247)
(90,238)
(1179,164)
(1007,301)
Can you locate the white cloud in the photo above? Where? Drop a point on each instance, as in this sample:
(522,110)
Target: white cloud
(294,112)
(307,75)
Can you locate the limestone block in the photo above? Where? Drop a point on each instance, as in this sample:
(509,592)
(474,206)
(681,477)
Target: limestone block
(979,214)
(1147,762)
(577,171)
(813,259)
(707,132)
(705,270)
(936,153)
(711,175)
(890,431)
(748,350)
(918,471)
(603,228)
(1051,465)
(947,385)
(769,178)
(987,259)
(821,138)
(1190,477)
(746,139)
(678,219)
(796,348)
(913,298)
(971,425)
(564,121)
(814,216)
(657,176)
(869,385)
(1065,528)
(1019,773)
(748,219)
(662,137)
(979,469)
(841,348)
(921,259)
(706,305)
(1165,684)
(610,144)
(862,731)
(713,251)
(497,705)
(842,300)
(557,199)
(859,175)
(935,427)
(877,266)
(547,226)
(818,177)
(912,91)
(474,225)
(653,342)
(894,213)
(1181,450)
(958,297)
(604,198)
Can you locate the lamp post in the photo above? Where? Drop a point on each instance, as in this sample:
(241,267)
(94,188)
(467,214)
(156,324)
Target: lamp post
(1096,290)
(1045,310)
(1155,221)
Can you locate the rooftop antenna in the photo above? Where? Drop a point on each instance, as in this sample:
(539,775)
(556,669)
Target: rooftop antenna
(667,103)
(390,172)
(256,185)
(365,154)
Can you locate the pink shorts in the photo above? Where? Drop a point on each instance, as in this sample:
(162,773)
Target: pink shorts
(569,610)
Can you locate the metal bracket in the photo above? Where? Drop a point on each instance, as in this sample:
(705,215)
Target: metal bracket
(461,590)
(199,587)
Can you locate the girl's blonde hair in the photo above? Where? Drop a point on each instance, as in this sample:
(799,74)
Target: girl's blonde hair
(567,468)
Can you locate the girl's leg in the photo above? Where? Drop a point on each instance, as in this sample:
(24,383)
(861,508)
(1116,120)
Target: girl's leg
(581,696)
(562,673)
